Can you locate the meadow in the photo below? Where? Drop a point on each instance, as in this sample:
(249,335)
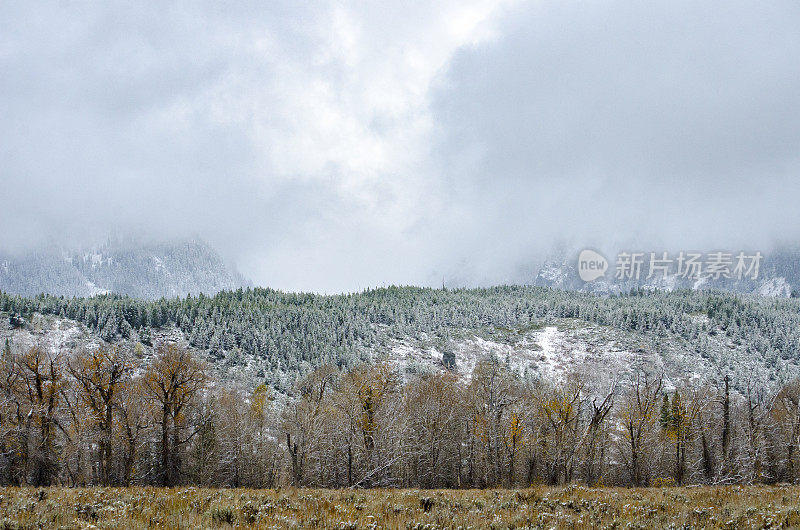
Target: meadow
(538,507)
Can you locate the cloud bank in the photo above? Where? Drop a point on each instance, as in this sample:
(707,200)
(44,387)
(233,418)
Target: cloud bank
(347,145)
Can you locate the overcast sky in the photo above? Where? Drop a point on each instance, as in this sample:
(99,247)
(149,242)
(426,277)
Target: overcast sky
(340,145)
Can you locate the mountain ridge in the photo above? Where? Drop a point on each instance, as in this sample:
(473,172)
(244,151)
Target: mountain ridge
(779,276)
(125,267)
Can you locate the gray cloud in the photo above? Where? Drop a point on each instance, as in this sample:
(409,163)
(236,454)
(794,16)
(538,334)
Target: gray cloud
(610,123)
(340,146)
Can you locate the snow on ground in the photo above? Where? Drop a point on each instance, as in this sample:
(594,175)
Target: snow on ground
(599,354)
(776,287)
(551,352)
(54,334)
(95,290)
(661,282)
(94,258)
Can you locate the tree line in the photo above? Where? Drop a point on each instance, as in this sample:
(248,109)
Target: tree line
(104,416)
(281,336)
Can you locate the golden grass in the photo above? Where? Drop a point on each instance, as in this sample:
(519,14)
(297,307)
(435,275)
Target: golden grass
(540,507)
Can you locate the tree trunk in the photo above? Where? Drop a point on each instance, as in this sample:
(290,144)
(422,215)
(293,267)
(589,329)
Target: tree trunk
(726,427)
(166,461)
(296,471)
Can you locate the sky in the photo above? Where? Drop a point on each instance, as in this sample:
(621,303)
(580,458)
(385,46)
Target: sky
(332,146)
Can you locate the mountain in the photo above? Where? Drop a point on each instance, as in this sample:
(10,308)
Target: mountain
(778,275)
(140,270)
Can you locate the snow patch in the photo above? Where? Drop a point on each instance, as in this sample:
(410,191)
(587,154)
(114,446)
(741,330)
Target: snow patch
(775,287)
(548,353)
(95,259)
(95,290)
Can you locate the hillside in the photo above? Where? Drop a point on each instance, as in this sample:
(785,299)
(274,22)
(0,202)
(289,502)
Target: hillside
(778,276)
(141,270)
(268,336)
(402,387)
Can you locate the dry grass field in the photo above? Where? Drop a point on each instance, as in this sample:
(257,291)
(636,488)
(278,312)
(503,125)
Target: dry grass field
(569,507)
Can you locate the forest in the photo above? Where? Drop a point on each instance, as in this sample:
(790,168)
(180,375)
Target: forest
(103,417)
(288,334)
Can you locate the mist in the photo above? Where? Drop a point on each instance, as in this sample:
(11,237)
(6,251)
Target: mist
(341,146)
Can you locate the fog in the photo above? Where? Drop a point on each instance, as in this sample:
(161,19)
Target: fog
(347,145)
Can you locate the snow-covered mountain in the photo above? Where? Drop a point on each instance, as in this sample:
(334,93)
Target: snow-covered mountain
(778,276)
(142,270)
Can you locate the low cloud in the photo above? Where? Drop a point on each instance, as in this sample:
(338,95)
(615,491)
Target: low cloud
(341,146)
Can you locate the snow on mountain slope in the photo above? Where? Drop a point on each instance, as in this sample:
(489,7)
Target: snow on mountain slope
(779,276)
(573,346)
(551,351)
(150,271)
(777,287)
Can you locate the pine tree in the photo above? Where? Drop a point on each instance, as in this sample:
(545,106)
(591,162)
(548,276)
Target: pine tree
(665,417)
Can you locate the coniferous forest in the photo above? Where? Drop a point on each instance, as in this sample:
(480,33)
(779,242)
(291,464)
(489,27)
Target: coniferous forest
(295,331)
(109,415)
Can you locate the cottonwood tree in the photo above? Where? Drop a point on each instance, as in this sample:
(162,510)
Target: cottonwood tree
(173,380)
(13,413)
(135,410)
(678,424)
(101,375)
(40,385)
(560,407)
(433,416)
(491,393)
(212,458)
(596,434)
(371,401)
(756,406)
(304,418)
(637,418)
(261,451)
(786,414)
